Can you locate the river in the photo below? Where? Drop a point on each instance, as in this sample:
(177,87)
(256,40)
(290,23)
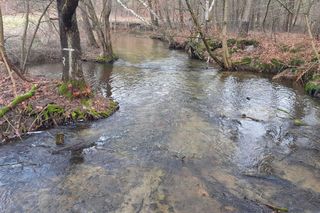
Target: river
(179,143)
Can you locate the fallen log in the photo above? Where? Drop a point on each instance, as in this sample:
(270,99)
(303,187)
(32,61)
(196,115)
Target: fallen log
(17,100)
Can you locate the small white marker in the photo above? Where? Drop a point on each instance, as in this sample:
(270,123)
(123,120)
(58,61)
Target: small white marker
(68,49)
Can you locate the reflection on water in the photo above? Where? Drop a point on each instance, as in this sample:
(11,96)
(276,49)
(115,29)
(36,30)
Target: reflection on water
(177,144)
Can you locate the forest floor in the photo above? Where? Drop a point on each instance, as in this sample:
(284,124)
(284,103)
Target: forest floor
(289,57)
(51,103)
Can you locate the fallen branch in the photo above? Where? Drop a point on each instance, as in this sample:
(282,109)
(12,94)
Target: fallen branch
(315,50)
(277,209)
(133,13)
(306,71)
(17,101)
(285,7)
(251,118)
(13,127)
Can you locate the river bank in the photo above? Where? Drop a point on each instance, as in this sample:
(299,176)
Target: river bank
(288,57)
(43,103)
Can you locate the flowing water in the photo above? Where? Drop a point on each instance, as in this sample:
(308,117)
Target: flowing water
(179,143)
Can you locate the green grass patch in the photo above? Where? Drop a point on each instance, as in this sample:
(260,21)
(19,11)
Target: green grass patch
(107,59)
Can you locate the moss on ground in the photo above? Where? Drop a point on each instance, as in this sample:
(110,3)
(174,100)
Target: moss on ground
(274,66)
(74,89)
(313,86)
(64,90)
(89,112)
(54,114)
(107,59)
(242,44)
(51,111)
(296,61)
(244,61)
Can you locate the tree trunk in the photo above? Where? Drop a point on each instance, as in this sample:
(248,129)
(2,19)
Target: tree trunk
(87,26)
(24,36)
(108,52)
(96,23)
(70,40)
(158,10)
(1,34)
(167,12)
(265,16)
(154,18)
(244,27)
(226,55)
(296,16)
(103,29)
(289,18)
(317,33)
(181,18)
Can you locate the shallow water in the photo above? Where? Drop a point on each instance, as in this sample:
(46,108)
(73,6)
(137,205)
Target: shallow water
(177,144)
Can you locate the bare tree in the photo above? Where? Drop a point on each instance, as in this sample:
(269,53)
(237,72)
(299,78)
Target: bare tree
(87,26)
(244,27)
(1,35)
(226,55)
(102,27)
(25,31)
(70,40)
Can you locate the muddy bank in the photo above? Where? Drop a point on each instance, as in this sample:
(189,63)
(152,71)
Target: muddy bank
(43,104)
(287,57)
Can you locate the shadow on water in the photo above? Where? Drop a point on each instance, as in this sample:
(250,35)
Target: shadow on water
(179,143)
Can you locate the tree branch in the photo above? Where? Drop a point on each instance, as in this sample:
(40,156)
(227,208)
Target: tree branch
(218,61)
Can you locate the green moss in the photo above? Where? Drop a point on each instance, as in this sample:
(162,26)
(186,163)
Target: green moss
(231,42)
(241,44)
(213,44)
(78,115)
(87,102)
(293,70)
(296,62)
(312,87)
(89,112)
(274,65)
(80,85)
(107,59)
(74,115)
(29,110)
(244,61)
(17,101)
(113,106)
(277,65)
(284,48)
(52,110)
(295,49)
(314,59)
(298,122)
(64,90)
(196,49)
